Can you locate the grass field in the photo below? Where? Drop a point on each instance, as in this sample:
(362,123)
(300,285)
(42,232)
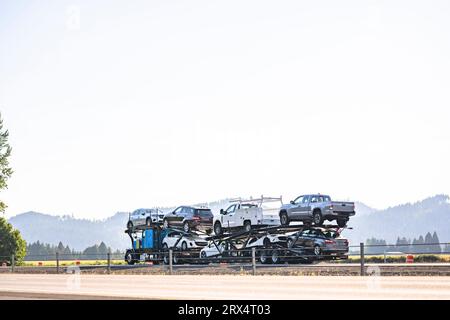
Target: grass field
(64,263)
(402,258)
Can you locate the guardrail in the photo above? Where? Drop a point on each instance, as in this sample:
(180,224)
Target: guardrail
(251,259)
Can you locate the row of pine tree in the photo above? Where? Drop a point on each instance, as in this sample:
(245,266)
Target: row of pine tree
(426,245)
(45,251)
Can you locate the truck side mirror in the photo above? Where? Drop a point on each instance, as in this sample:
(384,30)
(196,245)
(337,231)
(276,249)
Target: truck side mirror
(221,211)
(292,202)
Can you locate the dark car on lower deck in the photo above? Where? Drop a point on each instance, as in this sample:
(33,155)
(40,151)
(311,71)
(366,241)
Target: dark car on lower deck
(326,244)
(189,218)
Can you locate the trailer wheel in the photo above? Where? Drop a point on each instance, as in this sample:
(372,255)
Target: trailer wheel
(218,228)
(263,257)
(275,257)
(175,259)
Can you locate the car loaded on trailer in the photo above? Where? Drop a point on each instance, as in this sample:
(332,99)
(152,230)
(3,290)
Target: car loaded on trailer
(316,208)
(190,218)
(144,217)
(182,240)
(248,214)
(319,243)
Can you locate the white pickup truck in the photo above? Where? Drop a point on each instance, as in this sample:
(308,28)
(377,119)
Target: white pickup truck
(247,214)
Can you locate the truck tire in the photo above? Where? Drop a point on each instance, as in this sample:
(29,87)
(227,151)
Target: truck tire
(341,223)
(317,218)
(317,251)
(165,254)
(247,226)
(284,219)
(129,258)
(263,257)
(275,257)
(218,228)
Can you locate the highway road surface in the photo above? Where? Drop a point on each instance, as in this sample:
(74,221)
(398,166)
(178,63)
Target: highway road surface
(228,287)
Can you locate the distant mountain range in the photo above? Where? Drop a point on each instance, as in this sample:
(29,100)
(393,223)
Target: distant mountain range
(407,220)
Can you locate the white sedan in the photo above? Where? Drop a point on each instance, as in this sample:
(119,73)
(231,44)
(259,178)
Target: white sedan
(212,249)
(183,241)
(266,240)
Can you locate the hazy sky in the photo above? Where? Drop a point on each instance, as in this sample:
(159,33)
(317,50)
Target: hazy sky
(114,105)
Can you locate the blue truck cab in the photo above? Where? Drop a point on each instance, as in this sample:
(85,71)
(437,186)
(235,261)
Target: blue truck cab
(151,239)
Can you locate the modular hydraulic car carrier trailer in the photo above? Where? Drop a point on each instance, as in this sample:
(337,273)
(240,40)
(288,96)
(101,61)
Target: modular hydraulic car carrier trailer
(295,244)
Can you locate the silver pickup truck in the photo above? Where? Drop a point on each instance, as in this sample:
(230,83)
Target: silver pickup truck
(316,208)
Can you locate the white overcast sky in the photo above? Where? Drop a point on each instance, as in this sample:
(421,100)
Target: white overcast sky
(114,105)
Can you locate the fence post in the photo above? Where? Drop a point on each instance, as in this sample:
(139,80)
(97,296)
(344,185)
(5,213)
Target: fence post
(57,262)
(361,252)
(170,261)
(254,260)
(109,263)
(13,263)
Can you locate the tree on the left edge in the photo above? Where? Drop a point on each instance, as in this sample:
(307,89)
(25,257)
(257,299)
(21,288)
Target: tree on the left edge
(5,170)
(11,242)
